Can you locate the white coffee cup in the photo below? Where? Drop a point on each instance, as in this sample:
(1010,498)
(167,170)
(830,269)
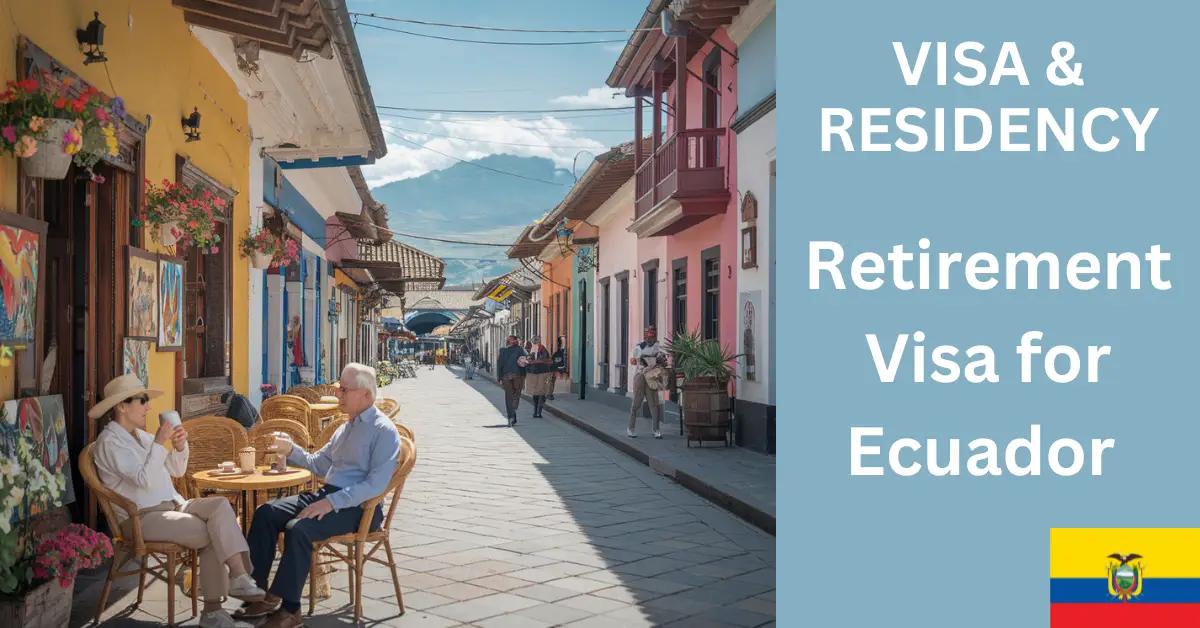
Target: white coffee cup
(171,417)
(227,466)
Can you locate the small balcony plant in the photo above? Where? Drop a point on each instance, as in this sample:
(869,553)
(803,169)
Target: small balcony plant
(183,216)
(49,126)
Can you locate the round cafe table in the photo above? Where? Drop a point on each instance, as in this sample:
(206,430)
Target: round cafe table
(250,484)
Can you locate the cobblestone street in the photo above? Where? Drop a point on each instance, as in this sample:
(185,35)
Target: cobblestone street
(541,525)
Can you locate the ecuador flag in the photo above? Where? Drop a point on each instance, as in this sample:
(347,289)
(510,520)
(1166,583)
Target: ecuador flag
(1145,577)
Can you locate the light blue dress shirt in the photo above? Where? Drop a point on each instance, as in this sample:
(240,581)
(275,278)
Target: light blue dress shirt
(359,459)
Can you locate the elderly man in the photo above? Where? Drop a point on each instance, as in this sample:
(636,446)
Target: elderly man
(356,465)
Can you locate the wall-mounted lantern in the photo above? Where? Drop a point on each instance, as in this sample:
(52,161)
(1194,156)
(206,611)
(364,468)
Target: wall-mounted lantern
(90,39)
(191,125)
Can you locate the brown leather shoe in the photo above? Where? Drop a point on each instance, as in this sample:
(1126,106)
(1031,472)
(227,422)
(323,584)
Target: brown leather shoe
(254,610)
(282,619)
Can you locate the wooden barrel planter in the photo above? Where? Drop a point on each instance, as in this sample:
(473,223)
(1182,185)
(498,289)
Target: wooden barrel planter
(707,411)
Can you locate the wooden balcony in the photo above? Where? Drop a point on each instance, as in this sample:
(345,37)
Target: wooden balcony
(682,183)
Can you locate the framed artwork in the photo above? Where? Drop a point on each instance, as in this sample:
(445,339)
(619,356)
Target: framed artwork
(750,247)
(22,253)
(137,359)
(38,426)
(170,304)
(141,320)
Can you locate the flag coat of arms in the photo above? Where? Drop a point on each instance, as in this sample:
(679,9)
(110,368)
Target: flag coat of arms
(1145,577)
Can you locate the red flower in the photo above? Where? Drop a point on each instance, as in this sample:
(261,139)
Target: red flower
(60,102)
(29,85)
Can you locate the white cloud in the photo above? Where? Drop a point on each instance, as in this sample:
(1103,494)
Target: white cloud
(596,97)
(548,137)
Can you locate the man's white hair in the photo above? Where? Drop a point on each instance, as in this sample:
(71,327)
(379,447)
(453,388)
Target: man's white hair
(361,376)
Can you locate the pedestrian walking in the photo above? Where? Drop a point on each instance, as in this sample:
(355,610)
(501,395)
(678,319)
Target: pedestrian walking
(510,365)
(649,358)
(560,363)
(541,374)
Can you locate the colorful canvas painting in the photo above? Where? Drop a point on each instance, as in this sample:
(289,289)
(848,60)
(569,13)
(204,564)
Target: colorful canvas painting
(20,269)
(170,304)
(142,295)
(39,425)
(137,359)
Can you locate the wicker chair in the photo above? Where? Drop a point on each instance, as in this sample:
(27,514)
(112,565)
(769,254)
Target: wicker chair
(390,407)
(405,431)
(288,407)
(355,551)
(326,390)
(211,441)
(326,434)
(307,393)
(168,556)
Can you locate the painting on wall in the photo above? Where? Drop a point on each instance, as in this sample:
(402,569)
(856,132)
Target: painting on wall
(142,296)
(170,304)
(137,359)
(21,256)
(36,425)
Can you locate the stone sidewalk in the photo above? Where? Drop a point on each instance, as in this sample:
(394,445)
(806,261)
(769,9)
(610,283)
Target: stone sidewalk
(537,526)
(737,479)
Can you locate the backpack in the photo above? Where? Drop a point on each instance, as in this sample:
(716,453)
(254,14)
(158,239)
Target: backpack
(241,410)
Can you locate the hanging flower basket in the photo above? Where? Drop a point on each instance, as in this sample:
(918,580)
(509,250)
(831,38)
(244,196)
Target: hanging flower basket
(182,216)
(260,260)
(169,233)
(45,123)
(265,249)
(50,161)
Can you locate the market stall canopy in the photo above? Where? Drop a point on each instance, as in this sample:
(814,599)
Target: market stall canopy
(520,282)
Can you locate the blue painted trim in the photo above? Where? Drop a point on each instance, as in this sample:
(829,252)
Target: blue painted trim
(285,371)
(326,162)
(317,379)
(266,370)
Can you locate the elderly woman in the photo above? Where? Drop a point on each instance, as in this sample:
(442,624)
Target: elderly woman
(539,381)
(139,467)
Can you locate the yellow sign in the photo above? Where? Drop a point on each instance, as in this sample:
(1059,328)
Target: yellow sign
(500,293)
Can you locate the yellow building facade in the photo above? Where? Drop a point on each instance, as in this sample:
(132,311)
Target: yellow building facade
(163,73)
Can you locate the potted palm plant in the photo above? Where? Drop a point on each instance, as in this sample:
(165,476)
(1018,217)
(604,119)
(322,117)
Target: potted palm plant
(706,368)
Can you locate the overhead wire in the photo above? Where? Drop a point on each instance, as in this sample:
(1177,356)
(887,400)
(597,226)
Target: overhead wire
(495,111)
(483,141)
(491,42)
(505,29)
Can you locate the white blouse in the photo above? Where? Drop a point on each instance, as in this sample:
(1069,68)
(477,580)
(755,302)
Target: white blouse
(137,468)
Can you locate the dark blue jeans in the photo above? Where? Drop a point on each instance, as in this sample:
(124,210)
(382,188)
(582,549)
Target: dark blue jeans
(271,518)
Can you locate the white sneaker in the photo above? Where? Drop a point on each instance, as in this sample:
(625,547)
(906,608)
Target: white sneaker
(658,435)
(221,619)
(244,589)
(630,433)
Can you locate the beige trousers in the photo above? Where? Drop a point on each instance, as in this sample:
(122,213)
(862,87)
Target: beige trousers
(642,392)
(207,524)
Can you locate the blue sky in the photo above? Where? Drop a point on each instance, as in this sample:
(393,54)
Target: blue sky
(408,71)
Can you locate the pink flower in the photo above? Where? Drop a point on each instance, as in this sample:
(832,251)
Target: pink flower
(215,250)
(36,123)
(10,133)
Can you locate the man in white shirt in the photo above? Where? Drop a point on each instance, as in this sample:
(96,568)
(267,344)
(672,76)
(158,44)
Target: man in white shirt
(646,355)
(139,467)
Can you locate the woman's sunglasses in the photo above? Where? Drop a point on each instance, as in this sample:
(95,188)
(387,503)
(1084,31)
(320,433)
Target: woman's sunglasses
(145,399)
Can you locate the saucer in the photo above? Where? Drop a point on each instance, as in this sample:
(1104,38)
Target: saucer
(233,471)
